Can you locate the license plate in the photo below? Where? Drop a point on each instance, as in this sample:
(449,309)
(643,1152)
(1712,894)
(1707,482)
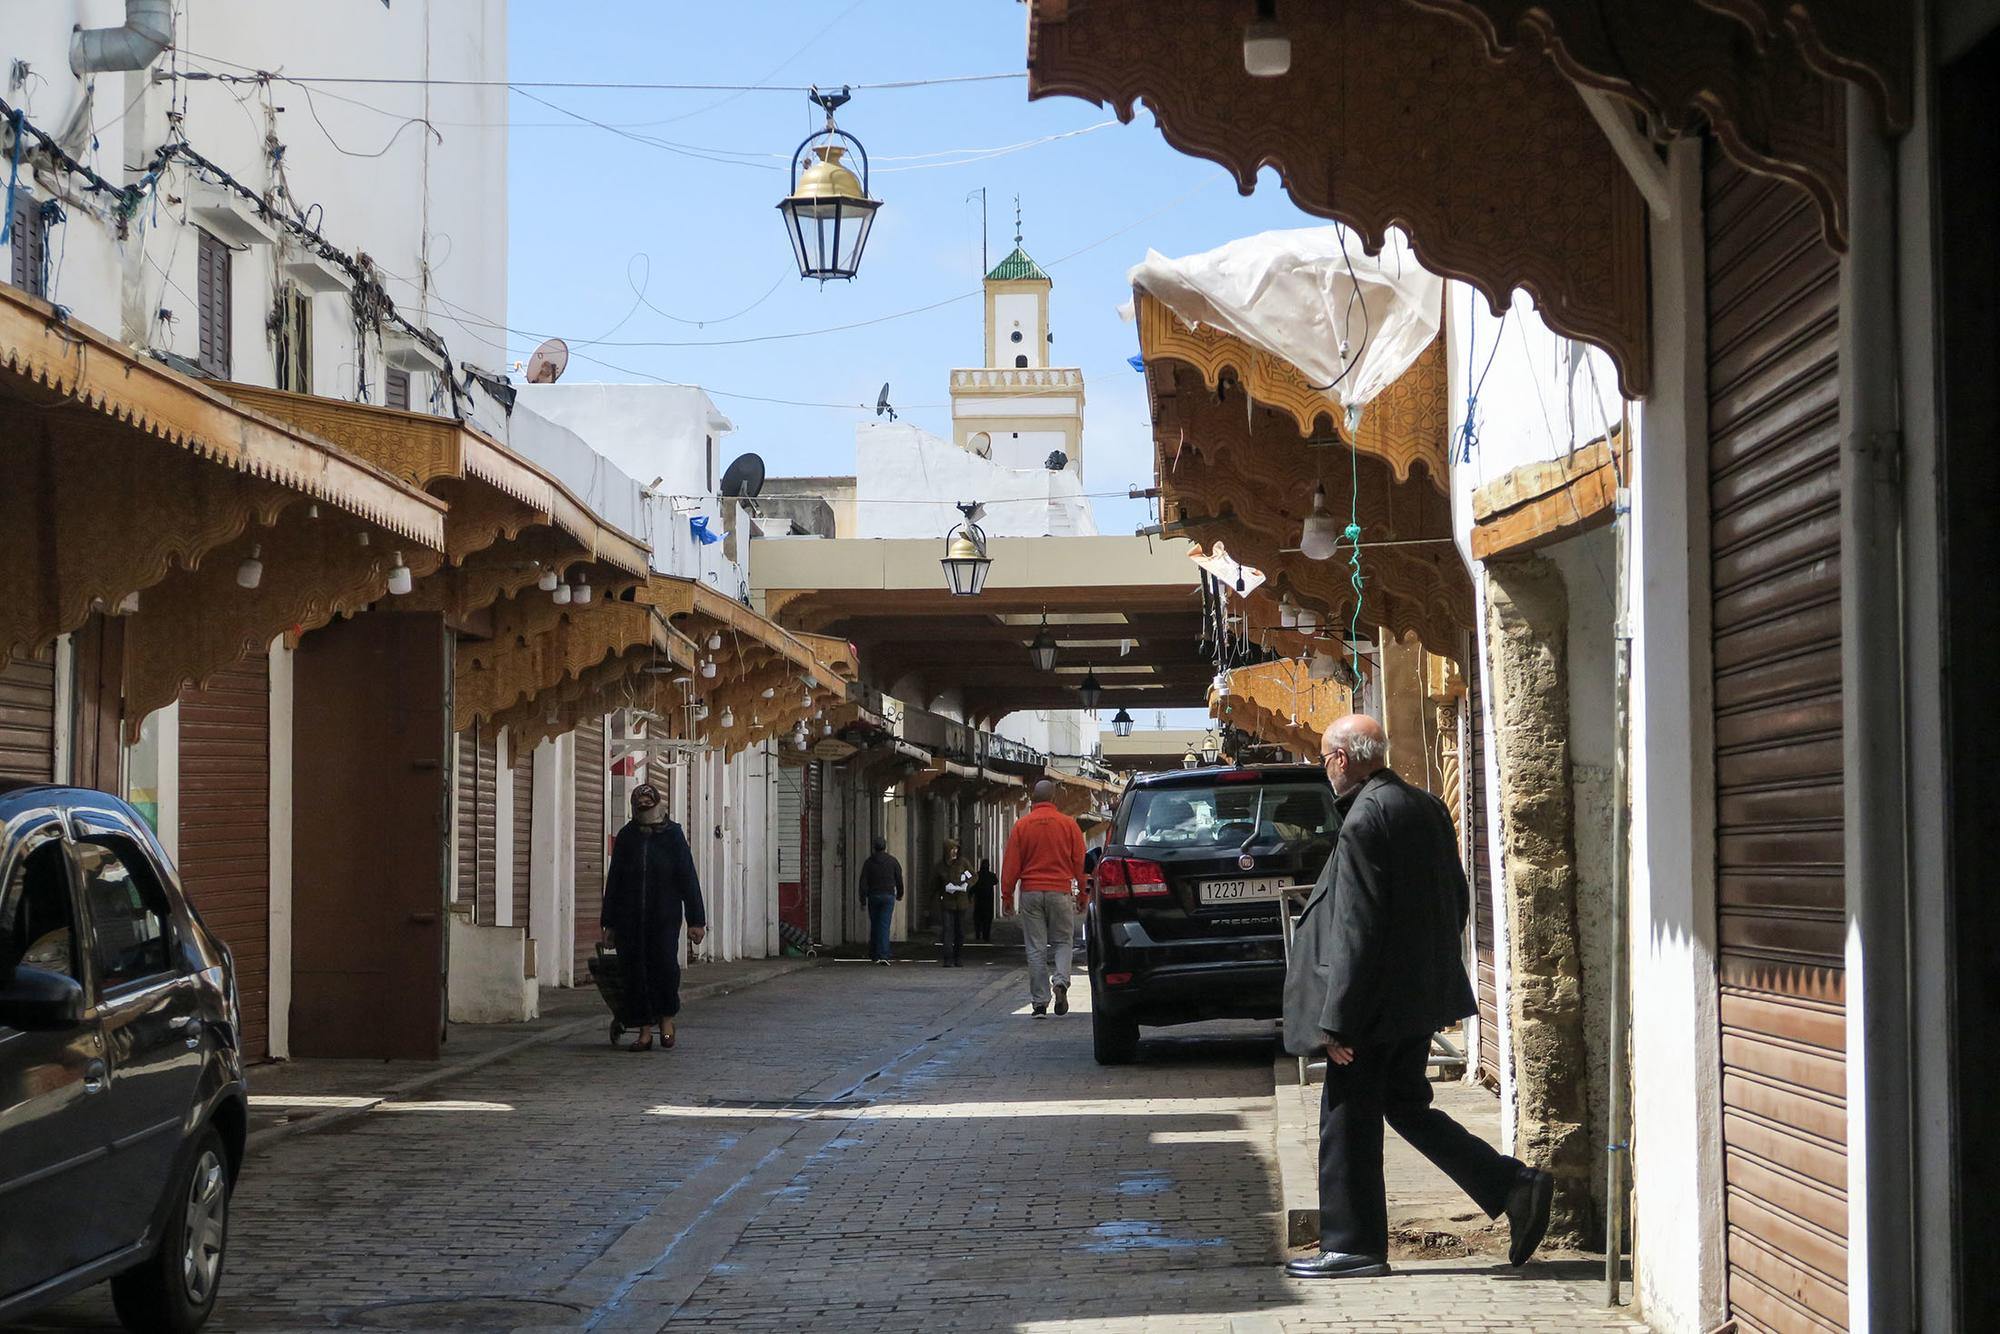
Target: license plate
(1240,891)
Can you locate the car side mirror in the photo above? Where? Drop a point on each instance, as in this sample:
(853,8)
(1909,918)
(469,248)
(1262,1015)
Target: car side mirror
(35,998)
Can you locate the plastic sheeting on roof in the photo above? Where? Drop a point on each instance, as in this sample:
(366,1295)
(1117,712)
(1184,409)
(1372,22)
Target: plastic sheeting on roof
(1290,294)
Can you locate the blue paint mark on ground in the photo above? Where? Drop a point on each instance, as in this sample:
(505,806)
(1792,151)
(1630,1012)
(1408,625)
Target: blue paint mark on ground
(1140,1235)
(1144,1183)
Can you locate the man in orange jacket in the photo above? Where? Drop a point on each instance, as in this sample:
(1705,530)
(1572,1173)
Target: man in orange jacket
(1044,863)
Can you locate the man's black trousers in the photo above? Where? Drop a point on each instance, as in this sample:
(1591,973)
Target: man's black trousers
(1388,1082)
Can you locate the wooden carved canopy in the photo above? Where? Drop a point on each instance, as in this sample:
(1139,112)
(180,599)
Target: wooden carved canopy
(1248,480)
(1392,116)
(1406,426)
(1280,703)
(133,487)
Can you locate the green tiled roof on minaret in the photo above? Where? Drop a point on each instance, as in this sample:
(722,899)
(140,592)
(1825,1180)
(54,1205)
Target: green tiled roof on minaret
(1017,267)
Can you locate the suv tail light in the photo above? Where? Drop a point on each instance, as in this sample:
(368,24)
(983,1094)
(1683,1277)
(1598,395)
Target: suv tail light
(1131,877)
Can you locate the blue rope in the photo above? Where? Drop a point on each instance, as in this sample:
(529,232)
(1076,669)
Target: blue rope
(1353,535)
(1468,430)
(13,178)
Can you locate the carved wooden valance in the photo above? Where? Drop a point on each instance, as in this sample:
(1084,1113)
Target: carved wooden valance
(1393,116)
(1407,425)
(1869,42)
(537,645)
(1280,703)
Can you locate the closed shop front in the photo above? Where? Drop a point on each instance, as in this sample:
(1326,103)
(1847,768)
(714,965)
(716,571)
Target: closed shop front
(476,800)
(1774,496)
(1479,863)
(590,849)
(225,826)
(788,822)
(28,719)
(521,775)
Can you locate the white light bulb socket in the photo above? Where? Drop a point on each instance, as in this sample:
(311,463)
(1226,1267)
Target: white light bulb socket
(561,596)
(399,577)
(547,581)
(251,572)
(1267,51)
(581,593)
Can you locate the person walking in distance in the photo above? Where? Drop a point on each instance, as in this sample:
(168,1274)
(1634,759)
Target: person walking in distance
(1375,971)
(881,890)
(954,884)
(1040,872)
(649,890)
(983,886)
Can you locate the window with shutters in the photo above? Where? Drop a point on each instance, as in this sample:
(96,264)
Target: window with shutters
(28,237)
(212,296)
(294,370)
(396,389)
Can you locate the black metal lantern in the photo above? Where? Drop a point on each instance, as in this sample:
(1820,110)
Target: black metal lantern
(1042,650)
(828,213)
(965,560)
(1090,691)
(1211,748)
(1121,723)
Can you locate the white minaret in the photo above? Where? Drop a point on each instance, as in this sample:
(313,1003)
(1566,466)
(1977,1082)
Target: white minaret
(1019,410)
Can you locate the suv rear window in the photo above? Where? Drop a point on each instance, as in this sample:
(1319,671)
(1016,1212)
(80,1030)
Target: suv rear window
(1225,815)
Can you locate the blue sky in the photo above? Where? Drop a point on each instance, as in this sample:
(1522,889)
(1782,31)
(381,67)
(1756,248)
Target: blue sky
(592,212)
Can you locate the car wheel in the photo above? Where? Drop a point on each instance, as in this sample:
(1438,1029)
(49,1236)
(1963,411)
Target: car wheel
(1113,1040)
(174,1289)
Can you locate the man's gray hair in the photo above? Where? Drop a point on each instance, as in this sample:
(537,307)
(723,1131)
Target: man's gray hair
(1364,749)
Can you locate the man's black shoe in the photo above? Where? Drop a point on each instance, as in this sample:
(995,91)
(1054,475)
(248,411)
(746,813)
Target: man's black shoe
(1338,1264)
(1040,1009)
(1062,1000)
(1528,1212)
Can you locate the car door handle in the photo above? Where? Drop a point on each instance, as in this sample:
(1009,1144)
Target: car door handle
(95,1076)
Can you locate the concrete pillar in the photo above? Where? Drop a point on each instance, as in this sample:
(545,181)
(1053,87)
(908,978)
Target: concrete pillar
(1527,641)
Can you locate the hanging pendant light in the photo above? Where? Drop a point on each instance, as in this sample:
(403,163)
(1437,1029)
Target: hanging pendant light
(965,562)
(828,214)
(728,719)
(399,576)
(1288,613)
(547,580)
(1211,747)
(1308,623)
(251,572)
(1090,691)
(1121,723)
(1320,539)
(581,593)
(708,669)
(1267,51)
(1190,761)
(1042,651)
(561,596)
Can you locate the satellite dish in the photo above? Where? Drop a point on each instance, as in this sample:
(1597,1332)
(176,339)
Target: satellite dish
(549,362)
(744,477)
(882,407)
(981,443)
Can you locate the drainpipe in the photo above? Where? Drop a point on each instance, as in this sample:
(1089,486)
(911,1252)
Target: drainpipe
(149,28)
(1618,1147)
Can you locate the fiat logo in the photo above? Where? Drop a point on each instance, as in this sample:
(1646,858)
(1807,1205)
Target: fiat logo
(1246,861)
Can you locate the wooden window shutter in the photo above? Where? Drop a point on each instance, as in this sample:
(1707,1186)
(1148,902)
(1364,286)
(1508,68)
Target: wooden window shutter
(213,294)
(396,389)
(29,241)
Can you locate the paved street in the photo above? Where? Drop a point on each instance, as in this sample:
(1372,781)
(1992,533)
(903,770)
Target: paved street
(845,1147)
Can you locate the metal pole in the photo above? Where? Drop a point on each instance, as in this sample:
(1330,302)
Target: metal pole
(1618,1144)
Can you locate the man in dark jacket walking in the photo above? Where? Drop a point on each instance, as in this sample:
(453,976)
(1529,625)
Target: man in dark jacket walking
(1375,971)
(881,890)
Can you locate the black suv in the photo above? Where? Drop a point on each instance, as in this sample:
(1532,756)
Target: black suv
(122,1107)
(1185,901)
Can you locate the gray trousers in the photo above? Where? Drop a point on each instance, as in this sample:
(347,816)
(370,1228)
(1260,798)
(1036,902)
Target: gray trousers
(1047,926)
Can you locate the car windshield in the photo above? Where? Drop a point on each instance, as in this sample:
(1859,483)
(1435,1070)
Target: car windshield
(1228,815)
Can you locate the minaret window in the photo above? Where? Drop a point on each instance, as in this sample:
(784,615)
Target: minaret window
(1021,362)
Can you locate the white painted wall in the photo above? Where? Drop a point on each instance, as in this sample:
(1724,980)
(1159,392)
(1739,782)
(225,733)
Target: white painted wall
(552,863)
(908,482)
(1021,311)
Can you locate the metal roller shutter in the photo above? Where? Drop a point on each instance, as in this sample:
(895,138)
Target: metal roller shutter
(28,719)
(464,805)
(1480,861)
(225,827)
(590,847)
(812,861)
(486,825)
(523,778)
(1774,509)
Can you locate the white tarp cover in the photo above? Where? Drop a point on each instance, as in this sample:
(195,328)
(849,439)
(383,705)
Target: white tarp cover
(1290,294)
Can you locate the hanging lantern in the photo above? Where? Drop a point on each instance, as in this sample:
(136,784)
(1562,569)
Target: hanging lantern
(828,213)
(1211,748)
(1090,691)
(965,562)
(1190,761)
(1320,538)
(1121,723)
(1042,651)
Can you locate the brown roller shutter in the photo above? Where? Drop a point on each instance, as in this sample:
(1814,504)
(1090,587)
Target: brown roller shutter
(486,825)
(1480,861)
(590,848)
(1774,510)
(225,827)
(28,719)
(815,797)
(465,805)
(523,778)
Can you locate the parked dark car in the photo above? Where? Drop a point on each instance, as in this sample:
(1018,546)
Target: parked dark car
(1185,902)
(122,1105)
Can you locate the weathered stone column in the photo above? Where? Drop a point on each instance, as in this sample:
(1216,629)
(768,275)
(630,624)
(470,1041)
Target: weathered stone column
(1527,645)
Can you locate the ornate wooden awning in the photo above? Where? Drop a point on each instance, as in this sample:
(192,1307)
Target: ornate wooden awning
(1460,120)
(1243,472)
(1278,702)
(127,478)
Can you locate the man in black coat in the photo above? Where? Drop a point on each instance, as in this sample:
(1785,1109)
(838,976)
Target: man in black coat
(1375,970)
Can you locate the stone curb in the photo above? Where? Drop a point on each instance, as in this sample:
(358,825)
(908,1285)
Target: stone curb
(1295,1126)
(260,1140)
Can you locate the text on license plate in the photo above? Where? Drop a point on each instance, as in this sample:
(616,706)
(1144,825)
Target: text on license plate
(1240,891)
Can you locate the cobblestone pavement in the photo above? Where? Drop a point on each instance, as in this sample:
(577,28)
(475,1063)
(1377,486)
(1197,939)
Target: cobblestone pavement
(843,1148)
